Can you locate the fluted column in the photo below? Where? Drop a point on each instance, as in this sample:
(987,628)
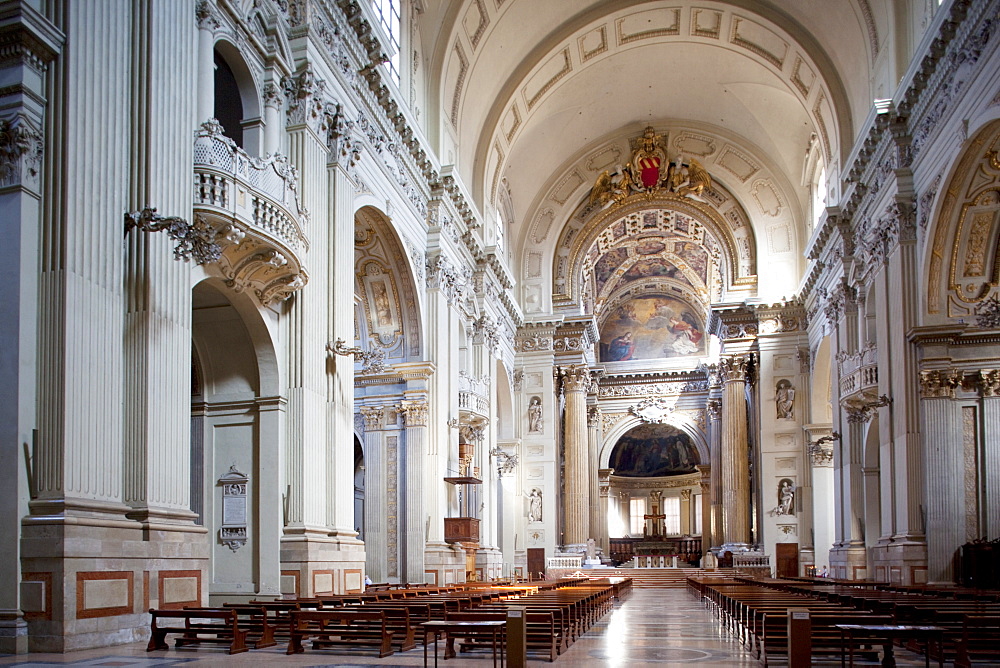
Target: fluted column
(376,538)
(712,531)
(685,512)
(706,508)
(272,119)
(598,521)
(22,147)
(943,430)
(207,25)
(576,518)
(414,451)
(157,286)
(604,490)
(735,463)
(989,383)
(310,462)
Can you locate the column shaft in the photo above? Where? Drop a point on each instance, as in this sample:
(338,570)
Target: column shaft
(735,464)
(577,494)
(376,533)
(414,452)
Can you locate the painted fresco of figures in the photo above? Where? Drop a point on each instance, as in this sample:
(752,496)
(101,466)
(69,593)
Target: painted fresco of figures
(652,328)
(653,450)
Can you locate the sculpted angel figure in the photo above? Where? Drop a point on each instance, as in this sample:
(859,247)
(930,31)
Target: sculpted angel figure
(690,179)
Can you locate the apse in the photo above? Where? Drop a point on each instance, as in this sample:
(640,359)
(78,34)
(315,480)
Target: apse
(652,451)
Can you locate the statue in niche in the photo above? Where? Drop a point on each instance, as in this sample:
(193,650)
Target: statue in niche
(786,497)
(535,505)
(535,416)
(784,400)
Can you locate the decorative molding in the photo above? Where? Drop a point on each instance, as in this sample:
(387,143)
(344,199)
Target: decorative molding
(654,410)
(374,417)
(372,361)
(415,413)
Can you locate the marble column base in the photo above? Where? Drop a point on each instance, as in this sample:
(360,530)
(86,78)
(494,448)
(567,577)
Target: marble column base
(89,580)
(444,564)
(902,562)
(316,563)
(13,633)
(489,563)
(849,562)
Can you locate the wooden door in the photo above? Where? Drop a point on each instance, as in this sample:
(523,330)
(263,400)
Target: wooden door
(536,562)
(787,555)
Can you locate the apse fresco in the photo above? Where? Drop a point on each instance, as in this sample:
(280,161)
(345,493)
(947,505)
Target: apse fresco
(653,327)
(653,450)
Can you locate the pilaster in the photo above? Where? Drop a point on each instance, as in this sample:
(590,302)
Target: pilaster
(376,546)
(575,384)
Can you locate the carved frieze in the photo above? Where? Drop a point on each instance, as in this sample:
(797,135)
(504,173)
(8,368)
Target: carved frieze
(653,389)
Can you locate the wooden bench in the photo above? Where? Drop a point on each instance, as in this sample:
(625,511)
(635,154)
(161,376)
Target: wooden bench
(541,634)
(220,624)
(328,628)
(253,619)
(980,641)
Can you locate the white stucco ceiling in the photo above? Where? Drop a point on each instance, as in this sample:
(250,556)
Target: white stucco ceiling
(524,85)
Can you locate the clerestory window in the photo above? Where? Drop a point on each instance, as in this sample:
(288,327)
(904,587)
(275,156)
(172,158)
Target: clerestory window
(389,14)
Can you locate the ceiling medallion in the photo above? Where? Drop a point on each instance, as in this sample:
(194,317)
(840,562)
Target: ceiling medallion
(655,411)
(650,172)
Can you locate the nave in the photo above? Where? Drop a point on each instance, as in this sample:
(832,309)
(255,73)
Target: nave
(652,627)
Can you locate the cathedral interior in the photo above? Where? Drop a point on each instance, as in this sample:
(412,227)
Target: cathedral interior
(716,280)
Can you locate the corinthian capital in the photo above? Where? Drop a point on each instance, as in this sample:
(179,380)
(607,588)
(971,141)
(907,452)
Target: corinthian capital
(575,378)
(938,383)
(734,368)
(373,416)
(415,413)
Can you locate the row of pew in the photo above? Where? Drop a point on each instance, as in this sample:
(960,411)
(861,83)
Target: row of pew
(755,610)
(388,620)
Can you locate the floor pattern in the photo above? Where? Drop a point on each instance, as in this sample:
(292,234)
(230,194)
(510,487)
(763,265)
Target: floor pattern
(660,628)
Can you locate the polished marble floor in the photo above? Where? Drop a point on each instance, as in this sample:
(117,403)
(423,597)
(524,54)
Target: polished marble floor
(653,627)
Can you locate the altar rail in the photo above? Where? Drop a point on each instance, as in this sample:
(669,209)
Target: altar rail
(564,562)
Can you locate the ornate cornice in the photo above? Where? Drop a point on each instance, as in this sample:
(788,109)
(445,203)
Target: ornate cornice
(28,38)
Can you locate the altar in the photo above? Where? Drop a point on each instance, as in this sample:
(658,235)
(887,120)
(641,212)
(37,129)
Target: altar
(655,561)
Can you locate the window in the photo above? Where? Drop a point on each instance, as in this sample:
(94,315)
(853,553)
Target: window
(819,193)
(388,13)
(672,511)
(637,508)
(697,515)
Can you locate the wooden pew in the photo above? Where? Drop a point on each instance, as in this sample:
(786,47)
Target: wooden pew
(253,619)
(349,628)
(980,641)
(221,625)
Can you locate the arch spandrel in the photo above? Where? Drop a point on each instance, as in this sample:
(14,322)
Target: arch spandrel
(963,261)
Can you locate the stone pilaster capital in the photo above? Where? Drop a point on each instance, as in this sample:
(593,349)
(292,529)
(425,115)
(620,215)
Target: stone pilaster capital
(204,14)
(575,378)
(595,416)
(415,412)
(20,151)
(685,495)
(989,382)
(624,494)
(714,409)
(272,96)
(374,417)
(940,383)
(305,94)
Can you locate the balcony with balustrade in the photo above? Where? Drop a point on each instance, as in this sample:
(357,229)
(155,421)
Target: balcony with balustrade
(251,206)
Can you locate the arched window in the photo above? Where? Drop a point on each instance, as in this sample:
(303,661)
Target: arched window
(818,194)
(388,12)
(228,103)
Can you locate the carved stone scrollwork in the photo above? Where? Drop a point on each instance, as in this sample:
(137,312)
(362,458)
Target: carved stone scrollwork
(195,242)
(506,463)
(714,409)
(526,344)
(988,313)
(205,16)
(415,413)
(372,361)
(820,450)
(862,410)
(940,383)
(653,410)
